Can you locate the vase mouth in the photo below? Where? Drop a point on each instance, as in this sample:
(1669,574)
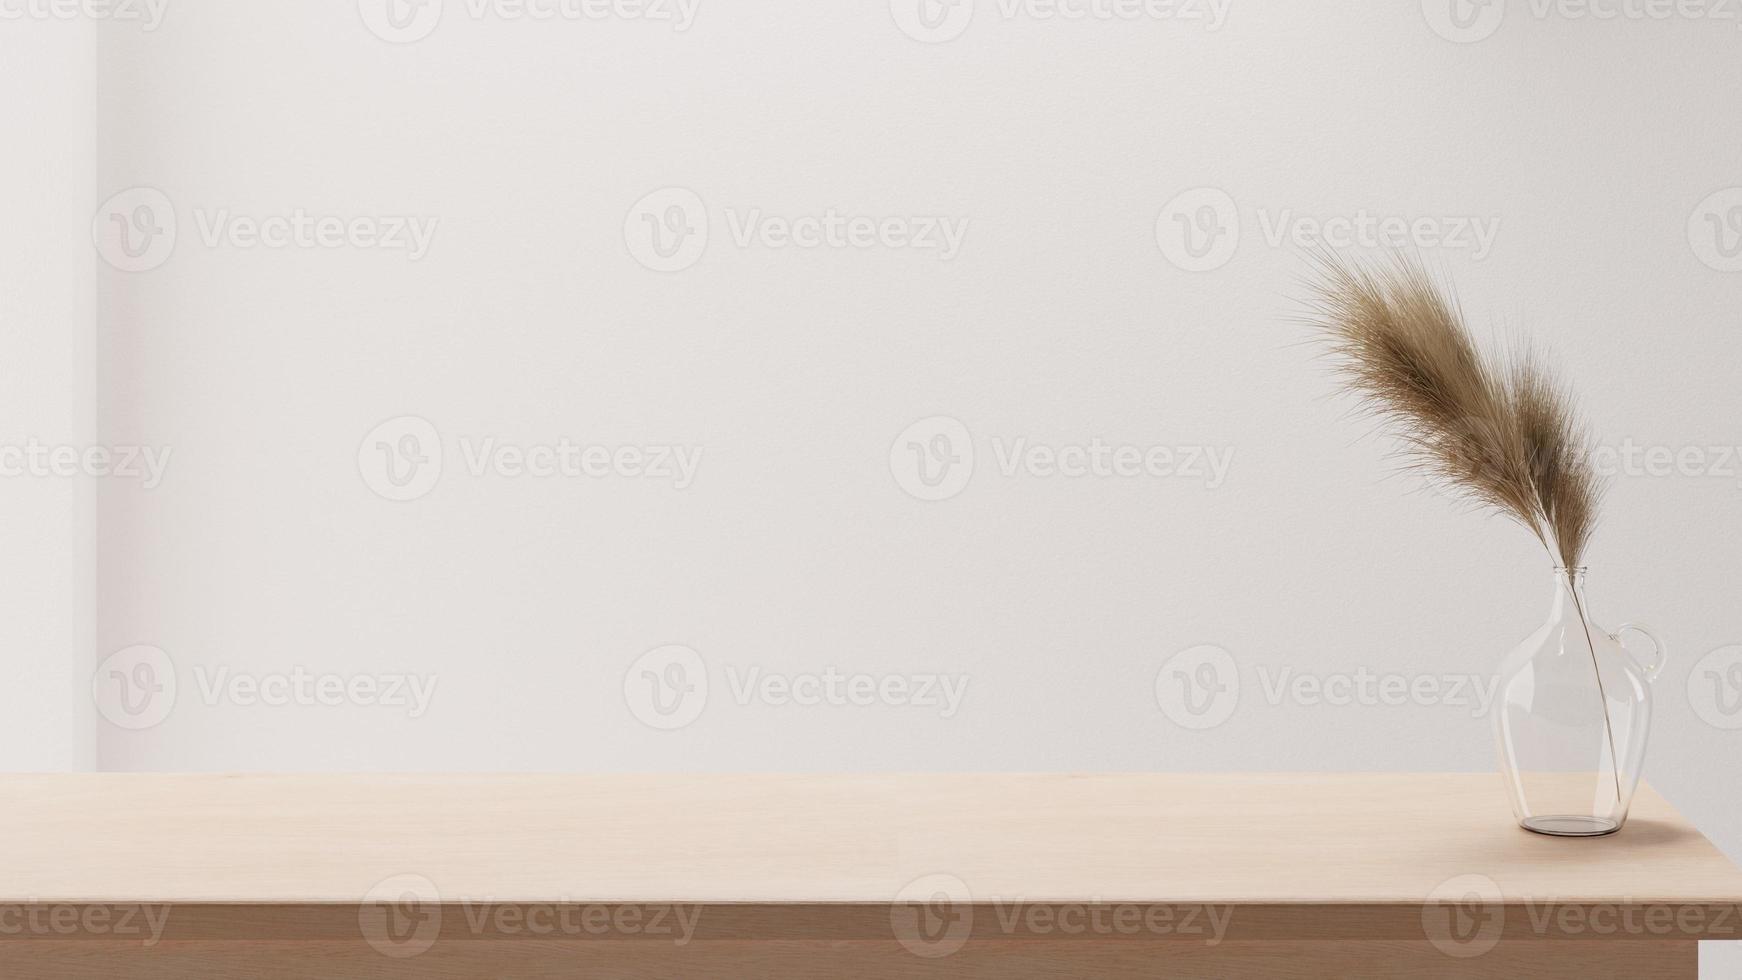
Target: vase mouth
(1571,569)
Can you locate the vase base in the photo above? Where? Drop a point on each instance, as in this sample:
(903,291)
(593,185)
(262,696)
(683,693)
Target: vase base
(1571,826)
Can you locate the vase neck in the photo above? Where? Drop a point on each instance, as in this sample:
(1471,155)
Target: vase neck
(1569,593)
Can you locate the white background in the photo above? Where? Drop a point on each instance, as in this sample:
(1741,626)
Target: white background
(1066,316)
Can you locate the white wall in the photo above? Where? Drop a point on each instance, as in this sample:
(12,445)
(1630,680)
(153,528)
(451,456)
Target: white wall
(48,321)
(1587,146)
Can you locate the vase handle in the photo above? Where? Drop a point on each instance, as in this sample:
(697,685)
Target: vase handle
(1659,651)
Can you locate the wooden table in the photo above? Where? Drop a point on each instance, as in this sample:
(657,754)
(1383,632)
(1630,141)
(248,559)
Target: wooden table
(1225,876)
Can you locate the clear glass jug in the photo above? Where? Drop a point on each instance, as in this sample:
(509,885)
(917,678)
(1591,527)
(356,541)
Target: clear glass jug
(1573,718)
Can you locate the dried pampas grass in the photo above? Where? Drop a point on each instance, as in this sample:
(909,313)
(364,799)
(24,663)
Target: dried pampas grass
(1499,432)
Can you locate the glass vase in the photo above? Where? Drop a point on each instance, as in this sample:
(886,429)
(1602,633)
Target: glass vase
(1573,717)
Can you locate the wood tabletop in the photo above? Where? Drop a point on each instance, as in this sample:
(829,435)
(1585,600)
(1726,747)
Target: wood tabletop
(1369,839)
